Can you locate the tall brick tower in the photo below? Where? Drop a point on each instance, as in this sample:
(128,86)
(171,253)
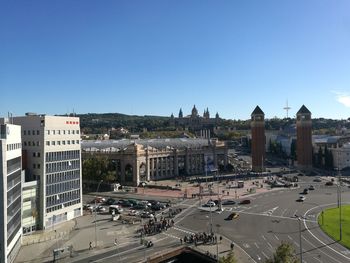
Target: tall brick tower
(304,139)
(258,139)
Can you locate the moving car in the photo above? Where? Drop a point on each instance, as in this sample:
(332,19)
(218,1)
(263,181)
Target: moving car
(245,202)
(228,202)
(329,183)
(232,216)
(317,180)
(305,192)
(209,204)
(311,187)
(301,198)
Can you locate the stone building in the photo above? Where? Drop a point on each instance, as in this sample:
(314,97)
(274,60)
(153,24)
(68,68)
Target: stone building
(194,122)
(156,159)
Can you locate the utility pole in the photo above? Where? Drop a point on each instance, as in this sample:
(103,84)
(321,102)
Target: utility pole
(98,186)
(300,244)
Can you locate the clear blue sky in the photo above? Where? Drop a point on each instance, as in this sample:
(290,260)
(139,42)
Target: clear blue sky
(153,57)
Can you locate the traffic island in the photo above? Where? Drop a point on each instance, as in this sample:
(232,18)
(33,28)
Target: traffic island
(329,222)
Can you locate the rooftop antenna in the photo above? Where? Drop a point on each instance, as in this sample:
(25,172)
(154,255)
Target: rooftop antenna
(287,108)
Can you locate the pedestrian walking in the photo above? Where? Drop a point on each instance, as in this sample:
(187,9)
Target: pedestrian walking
(181,241)
(90,245)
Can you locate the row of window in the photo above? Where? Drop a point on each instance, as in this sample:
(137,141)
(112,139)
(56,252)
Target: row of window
(60,206)
(13,146)
(31,132)
(63,155)
(68,142)
(31,143)
(62,166)
(62,176)
(62,198)
(36,166)
(63,132)
(36,154)
(54,189)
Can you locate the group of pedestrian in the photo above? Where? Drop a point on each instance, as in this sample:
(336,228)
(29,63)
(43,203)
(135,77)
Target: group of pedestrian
(154,226)
(205,238)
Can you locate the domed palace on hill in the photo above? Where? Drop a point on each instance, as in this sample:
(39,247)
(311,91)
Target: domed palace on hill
(194,122)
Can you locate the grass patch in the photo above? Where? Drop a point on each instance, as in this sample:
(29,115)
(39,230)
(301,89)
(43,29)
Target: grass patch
(329,223)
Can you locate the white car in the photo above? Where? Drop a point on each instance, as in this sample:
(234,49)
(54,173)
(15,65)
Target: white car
(301,198)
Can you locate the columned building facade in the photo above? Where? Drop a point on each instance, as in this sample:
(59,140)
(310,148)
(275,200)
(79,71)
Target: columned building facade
(304,139)
(159,159)
(258,139)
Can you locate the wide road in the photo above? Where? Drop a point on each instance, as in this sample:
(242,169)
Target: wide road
(270,219)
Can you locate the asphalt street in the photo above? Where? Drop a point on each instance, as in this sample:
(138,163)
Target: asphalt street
(270,219)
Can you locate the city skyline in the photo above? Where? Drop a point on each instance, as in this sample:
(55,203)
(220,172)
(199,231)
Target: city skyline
(157,57)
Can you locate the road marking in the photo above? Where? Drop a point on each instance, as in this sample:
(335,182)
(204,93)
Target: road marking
(259,258)
(318,259)
(339,253)
(169,235)
(264,254)
(264,237)
(284,211)
(290,237)
(296,243)
(295,212)
(256,245)
(246,245)
(276,237)
(270,245)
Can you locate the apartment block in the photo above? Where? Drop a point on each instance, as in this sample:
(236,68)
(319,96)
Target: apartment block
(52,157)
(10,191)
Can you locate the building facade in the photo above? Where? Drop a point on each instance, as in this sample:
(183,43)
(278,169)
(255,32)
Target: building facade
(52,156)
(194,122)
(156,159)
(258,139)
(10,189)
(304,139)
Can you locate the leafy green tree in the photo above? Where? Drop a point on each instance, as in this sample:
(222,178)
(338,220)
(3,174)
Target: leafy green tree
(284,253)
(230,258)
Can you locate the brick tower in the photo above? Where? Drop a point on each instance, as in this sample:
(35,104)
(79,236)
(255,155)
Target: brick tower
(304,139)
(258,139)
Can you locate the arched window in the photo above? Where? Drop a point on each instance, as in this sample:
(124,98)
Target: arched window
(128,173)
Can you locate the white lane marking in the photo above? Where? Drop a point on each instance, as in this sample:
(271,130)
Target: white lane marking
(318,259)
(339,253)
(246,245)
(256,245)
(127,251)
(295,212)
(276,237)
(284,211)
(270,245)
(263,237)
(264,254)
(296,243)
(290,237)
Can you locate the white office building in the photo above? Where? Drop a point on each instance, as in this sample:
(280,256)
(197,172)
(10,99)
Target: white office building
(10,191)
(52,156)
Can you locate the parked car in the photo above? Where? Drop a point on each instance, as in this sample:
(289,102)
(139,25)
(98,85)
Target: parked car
(245,202)
(139,206)
(133,213)
(228,202)
(232,216)
(147,215)
(110,201)
(99,199)
(101,209)
(330,183)
(116,208)
(317,180)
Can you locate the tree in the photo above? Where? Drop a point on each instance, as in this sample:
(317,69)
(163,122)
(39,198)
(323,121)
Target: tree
(230,258)
(285,253)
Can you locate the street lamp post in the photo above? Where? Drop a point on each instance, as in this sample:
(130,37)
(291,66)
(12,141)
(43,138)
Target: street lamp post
(98,186)
(300,244)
